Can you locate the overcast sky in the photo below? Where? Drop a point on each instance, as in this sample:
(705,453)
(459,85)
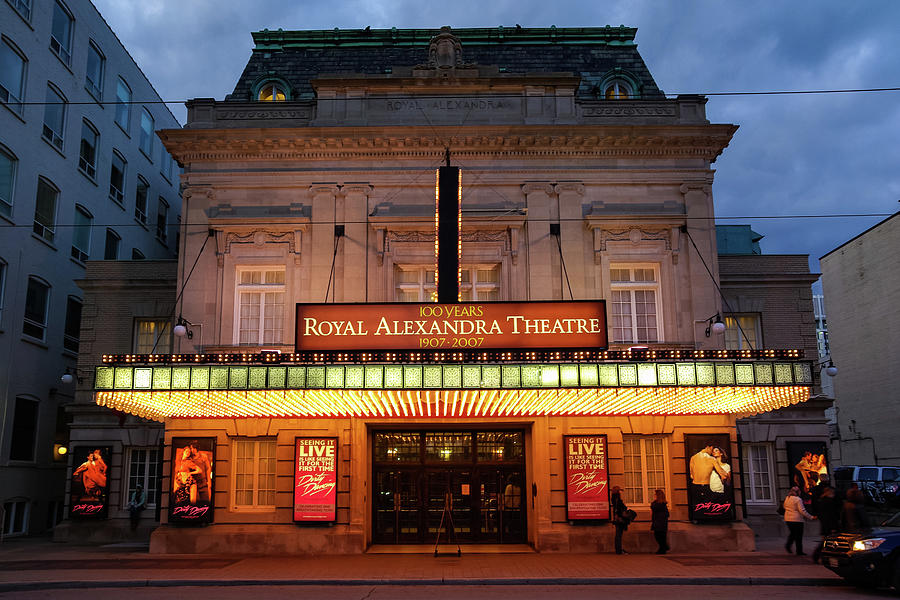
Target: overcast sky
(824,154)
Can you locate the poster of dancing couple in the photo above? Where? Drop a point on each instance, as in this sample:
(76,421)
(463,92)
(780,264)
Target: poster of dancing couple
(710,481)
(89,489)
(191,492)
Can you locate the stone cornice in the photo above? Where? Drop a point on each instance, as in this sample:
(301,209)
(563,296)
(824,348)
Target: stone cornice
(537,142)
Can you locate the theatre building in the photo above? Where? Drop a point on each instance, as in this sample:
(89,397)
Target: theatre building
(448,284)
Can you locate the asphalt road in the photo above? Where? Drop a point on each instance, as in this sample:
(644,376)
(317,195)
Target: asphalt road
(465,592)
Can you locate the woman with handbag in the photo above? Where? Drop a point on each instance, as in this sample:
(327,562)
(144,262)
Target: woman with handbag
(621,514)
(794,516)
(659,521)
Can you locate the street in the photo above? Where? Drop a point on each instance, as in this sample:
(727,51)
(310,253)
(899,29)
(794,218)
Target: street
(468,592)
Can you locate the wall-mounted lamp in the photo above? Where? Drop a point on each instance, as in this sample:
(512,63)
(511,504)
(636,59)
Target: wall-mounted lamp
(69,376)
(60,450)
(829,367)
(715,325)
(181,328)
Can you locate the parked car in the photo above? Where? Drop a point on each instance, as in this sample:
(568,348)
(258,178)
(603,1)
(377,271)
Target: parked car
(880,484)
(869,558)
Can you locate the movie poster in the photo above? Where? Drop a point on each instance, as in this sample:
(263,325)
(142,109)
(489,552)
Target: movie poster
(315,479)
(191,490)
(587,489)
(710,481)
(89,490)
(808,462)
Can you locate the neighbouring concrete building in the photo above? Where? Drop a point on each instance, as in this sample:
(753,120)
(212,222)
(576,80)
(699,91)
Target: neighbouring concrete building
(82,177)
(768,303)
(861,280)
(319,400)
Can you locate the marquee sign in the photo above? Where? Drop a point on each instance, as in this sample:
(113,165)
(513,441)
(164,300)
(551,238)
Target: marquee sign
(315,479)
(587,477)
(451,327)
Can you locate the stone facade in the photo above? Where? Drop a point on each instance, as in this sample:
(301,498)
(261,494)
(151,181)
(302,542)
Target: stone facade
(330,197)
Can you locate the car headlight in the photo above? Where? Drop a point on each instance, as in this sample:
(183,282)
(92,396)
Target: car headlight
(869,544)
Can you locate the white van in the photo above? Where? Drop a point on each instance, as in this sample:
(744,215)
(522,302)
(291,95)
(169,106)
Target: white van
(881,485)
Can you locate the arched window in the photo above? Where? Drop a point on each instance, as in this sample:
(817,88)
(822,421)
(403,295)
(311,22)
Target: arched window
(617,89)
(272,91)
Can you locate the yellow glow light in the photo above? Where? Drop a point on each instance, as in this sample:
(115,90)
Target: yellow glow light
(455,403)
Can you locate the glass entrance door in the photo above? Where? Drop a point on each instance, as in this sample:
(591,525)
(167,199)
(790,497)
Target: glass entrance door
(479,475)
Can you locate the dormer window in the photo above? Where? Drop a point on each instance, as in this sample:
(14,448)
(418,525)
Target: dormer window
(272,92)
(617,89)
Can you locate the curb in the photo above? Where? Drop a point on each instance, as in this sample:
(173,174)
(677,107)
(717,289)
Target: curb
(610,581)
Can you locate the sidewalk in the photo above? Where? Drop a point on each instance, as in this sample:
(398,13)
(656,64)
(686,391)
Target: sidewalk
(41,564)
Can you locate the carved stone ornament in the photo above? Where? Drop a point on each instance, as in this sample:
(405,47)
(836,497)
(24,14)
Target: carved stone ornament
(635,235)
(478,235)
(261,236)
(444,51)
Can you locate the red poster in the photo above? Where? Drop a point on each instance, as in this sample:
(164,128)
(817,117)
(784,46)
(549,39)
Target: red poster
(315,479)
(587,489)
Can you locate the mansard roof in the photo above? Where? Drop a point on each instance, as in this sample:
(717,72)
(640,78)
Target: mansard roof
(592,53)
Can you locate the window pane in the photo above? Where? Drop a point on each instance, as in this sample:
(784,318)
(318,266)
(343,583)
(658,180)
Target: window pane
(146,140)
(36,309)
(111,247)
(93,77)
(61,33)
(123,106)
(7,177)
(447,447)
(634,481)
(54,118)
(117,179)
(12,75)
(140,200)
(162,217)
(45,210)
(81,235)
(87,152)
(146,333)
(397,447)
(24,430)
(73,325)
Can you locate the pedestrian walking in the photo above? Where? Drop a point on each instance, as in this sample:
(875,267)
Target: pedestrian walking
(136,505)
(659,521)
(794,516)
(853,513)
(828,511)
(620,518)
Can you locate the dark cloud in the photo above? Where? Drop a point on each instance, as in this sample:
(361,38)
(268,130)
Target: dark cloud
(809,155)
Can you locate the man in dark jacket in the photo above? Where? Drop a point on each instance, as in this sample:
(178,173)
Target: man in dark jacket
(828,509)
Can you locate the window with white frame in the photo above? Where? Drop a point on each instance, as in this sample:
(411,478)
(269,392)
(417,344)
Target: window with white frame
(54,117)
(145,141)
(3,270)
(141,192)
(152,336)
(37,300)
(45,210)
(645,468)
(8,164)
(162,219)
(61,32)
(93,75)
(24,429)
(758,474)
(254,473)
(23,7)
(635,302)
(12,76)
(81,234)
(617,89)
(16,514)
(143,469)
(87,151)
(123,104)
(111,246)
(260,306)
(72,330)
(742,332)
(478,283)
(117,178)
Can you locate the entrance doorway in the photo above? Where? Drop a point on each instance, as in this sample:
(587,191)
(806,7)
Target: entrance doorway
(483,471)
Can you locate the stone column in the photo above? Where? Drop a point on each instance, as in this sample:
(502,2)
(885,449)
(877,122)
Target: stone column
(353,250)
(540,276)
(324,197)
(703,296)
(572,238)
